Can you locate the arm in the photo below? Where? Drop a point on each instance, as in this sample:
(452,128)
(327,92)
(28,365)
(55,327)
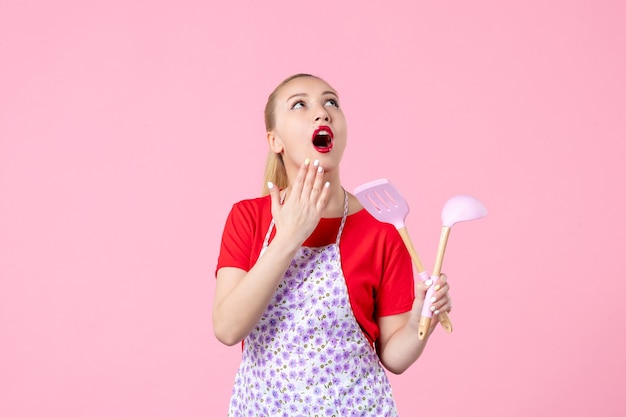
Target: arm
(399,345)
(241,297)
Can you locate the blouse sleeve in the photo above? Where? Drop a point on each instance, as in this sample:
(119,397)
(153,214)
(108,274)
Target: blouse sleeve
(236,245)
(396,291)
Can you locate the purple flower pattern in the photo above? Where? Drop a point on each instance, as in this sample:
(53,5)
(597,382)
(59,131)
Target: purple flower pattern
(308,356)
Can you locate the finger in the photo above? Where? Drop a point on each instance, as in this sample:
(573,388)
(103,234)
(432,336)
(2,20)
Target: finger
(439,306)
(443,278)
(443,292)
(441,286)
(439,301)
(299,182)
(446,306)
(323,198)
(420,288)
(309,179)
(275,197)
(441,289)
(318,185)
(442,304)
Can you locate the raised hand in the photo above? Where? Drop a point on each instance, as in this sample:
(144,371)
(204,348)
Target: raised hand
(301,210)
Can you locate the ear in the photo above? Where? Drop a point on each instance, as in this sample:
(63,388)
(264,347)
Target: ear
(276,145)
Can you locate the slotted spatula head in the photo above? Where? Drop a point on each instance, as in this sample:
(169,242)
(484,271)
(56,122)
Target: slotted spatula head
(383,201)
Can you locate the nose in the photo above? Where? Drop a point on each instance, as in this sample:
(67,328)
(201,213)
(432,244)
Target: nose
(321,114)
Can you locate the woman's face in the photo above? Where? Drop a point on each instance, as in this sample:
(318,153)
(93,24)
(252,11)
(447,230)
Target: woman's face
(309,124)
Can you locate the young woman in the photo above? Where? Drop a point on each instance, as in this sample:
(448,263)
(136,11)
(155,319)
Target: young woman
(320,292)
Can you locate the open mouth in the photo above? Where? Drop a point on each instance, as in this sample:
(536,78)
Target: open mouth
(323,139)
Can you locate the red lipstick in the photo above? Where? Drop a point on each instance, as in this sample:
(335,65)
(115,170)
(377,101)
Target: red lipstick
(323,139)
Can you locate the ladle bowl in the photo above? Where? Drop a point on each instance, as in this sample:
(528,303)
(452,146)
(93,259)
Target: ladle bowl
(462,208)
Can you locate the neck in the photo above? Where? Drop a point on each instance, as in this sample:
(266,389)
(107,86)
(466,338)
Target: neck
(334,207)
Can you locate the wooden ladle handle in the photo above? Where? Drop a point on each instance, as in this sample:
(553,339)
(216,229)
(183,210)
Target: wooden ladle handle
(444,319)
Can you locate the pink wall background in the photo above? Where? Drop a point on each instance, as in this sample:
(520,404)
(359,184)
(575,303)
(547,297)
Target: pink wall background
(128,129)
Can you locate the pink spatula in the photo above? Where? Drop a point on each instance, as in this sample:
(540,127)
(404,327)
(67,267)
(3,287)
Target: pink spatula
(383,201)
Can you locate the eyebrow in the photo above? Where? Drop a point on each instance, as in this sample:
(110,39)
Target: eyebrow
(306,95)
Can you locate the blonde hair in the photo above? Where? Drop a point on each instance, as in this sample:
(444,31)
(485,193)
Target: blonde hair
(274,167)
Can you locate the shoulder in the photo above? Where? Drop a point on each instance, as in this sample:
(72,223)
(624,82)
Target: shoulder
(255,202)
(247,215)
(252,206)
(243,233)
(372,238)
(364,224)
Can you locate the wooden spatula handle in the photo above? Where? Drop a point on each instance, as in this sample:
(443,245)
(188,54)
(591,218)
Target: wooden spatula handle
(404,233)
(444,319)
(424,327)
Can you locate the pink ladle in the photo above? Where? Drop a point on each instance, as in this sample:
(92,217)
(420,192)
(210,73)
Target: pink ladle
(457,209)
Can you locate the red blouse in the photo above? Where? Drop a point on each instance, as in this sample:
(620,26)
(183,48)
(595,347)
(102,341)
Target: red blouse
(376,264)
